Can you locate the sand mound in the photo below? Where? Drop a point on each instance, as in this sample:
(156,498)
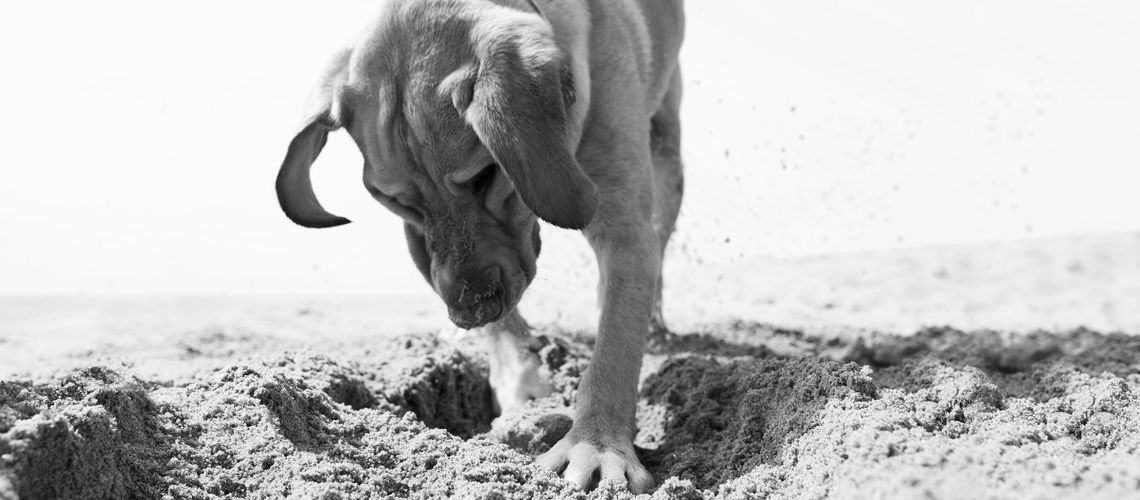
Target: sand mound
(301,424)
(943,414)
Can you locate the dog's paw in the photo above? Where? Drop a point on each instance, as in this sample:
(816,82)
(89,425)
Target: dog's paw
(518,379)
(585,462)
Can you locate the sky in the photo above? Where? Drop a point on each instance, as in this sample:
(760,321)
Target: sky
(142,138)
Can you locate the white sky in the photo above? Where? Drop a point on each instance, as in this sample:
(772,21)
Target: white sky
(141,138)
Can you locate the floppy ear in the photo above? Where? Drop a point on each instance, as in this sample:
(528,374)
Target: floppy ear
(518,110)
(294,187)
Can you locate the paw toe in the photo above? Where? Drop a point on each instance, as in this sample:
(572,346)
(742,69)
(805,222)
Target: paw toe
(613,468)
(585,464)
(554,459)
(640,480)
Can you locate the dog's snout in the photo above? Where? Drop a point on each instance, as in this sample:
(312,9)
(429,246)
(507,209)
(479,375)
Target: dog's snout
(462,287)
(473,297)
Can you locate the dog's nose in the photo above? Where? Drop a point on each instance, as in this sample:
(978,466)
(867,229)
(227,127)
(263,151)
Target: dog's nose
(473,298)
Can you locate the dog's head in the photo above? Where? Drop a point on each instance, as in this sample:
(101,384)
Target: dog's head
(460,113)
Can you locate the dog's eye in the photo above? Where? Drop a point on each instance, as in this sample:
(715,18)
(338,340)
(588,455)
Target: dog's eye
(482,181)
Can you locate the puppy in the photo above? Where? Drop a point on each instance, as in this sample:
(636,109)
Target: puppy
(476,118)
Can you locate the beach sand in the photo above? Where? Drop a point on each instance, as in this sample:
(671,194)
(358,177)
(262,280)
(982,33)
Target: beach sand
(926,404)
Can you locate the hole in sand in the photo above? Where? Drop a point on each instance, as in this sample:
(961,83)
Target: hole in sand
(722,419)
(350,391)
(448,392)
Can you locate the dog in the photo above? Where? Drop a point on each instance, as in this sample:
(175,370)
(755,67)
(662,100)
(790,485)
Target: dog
(477,118)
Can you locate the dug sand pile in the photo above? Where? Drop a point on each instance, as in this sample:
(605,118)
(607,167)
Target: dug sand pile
(942,414)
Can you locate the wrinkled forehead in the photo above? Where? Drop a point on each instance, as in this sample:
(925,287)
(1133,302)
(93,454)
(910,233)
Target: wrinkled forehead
(401,72)
(407,127)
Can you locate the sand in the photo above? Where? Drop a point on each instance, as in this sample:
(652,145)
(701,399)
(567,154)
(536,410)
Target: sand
(845,390)
(941,414)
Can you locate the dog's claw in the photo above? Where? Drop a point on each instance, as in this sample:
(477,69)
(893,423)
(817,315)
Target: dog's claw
(613,461)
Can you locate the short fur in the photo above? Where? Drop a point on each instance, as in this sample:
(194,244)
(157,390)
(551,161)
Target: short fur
(475,118)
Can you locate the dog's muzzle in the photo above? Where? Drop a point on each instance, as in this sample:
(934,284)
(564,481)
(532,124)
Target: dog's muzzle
(474,298)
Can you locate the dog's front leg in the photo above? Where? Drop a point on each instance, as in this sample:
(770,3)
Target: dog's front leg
(517,374)
(604,425)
